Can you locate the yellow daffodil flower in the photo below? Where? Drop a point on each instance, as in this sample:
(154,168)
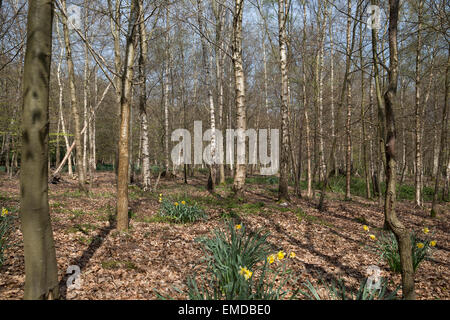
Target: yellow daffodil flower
(238,226)
(246,273)
(183,202)
(280,255)
(292,255)
(271,259)
(4,212)
(425,230)
(176,204)
(160,200)
(433,243)
(372,237)
(366,228)
(420,245)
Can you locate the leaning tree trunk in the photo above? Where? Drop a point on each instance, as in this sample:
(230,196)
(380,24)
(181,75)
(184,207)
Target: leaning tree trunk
(402,234)
(125,106)
(41,272)
(241,122)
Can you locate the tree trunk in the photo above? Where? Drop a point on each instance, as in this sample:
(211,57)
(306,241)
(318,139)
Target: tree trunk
(241,122)
(363,120)
(443,144)
(207,83)
(418,116)
(166,97)
(146,183)
(74,105)
(127,78)
(41,271)
(401,233)
(283,192)
(348,161)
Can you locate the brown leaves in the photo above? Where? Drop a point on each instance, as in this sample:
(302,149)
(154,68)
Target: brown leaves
(159,256)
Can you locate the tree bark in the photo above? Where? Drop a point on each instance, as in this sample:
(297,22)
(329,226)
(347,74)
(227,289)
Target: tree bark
(283,192)
(443,142)
(402,234)
(125,106)
(74,104)
(41,272)
(146,183)
(241,122)
(418,116)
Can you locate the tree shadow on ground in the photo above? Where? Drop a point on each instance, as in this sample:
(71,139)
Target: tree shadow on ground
(87,254)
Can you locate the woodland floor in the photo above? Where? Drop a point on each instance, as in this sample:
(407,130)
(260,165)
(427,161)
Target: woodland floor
(156,255)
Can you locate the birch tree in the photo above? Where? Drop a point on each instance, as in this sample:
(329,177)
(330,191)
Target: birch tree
(283,192)
(241,122)
(74,103)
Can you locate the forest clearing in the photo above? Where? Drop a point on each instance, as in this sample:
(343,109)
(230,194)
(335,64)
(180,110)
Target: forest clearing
(224,150)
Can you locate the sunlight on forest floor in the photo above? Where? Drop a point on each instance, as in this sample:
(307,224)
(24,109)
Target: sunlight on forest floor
(157,254)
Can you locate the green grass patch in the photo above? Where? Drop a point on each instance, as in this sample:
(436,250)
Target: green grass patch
(301,215)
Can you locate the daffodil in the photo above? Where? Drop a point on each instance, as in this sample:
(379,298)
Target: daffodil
(4,212)
(183,202)
(176,204)
(372,237)
(271,259)
(246,273)
(432,243)
(292,255)
(425,230)
(238,226)
(160,200)
(160,195)
(420,245)
(280,255)
(366,228)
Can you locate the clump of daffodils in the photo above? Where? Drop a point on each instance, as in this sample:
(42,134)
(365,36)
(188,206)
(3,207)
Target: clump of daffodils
(280,255)
(180,211)
(387,248)
(5,229)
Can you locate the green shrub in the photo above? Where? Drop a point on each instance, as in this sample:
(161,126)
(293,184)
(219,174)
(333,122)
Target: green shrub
(6,222)
(337,291)
(387,248)
(181,212)
(238,266)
